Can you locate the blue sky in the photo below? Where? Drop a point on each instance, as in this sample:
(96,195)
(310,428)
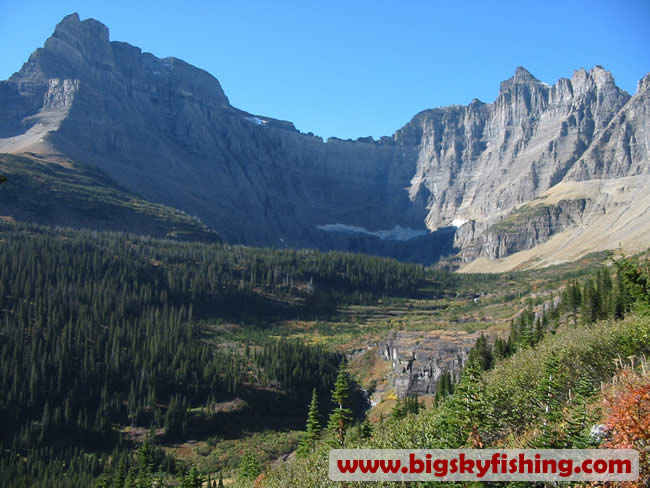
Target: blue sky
(357,68)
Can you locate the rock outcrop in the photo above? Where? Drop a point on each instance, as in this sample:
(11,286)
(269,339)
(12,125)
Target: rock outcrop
(419,359)
(524,228)
(165,130)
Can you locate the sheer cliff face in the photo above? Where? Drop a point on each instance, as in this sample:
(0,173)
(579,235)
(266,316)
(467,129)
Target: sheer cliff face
(480,161)
(166,130)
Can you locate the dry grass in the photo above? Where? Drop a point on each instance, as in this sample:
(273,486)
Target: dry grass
(620,218)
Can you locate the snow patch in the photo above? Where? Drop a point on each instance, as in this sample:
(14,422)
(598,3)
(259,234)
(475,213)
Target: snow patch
(256,120)
(458,222)
(397,233)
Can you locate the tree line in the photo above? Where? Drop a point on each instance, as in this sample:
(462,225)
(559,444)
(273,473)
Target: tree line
(102,329)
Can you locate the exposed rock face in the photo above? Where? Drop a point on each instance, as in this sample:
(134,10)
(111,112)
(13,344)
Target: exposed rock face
(526,227)
(480,161)
(166,130)
(420,358)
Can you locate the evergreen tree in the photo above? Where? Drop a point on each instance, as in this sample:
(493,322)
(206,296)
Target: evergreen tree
(192,479)
(144,458)
(341,415)
(500,349)
(548,395)
(472,414)
(103,481)
(312,433)
(574,299)
(481,354)
(591,300)
(129,481)
(365,430)
(398,412)
(120,475)
(581,419)
(249,468)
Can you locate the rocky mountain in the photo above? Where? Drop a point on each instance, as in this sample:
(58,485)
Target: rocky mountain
(166,131)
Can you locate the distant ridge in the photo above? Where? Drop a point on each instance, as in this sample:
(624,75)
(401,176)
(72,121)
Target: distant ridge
(165,131)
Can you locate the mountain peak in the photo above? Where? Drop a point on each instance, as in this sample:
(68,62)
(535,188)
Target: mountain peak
(644,84)
(70,19)
(73,28)
(522,74)
(521,77)
(89,37)
(601,76)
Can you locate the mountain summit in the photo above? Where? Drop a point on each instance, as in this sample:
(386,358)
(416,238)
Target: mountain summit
(166,131)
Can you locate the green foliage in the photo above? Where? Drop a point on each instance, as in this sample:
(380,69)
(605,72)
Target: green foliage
(444,387)
(101,329)
(249,467)
(365,430)
(406,406)
(548,401)
(502,348)
(481,354)
(54,194)
(634,284)
(508,403)
(573,300)
(312,431)
(226,456)
(191,479)
(297,367)
(341,415)
(581,418)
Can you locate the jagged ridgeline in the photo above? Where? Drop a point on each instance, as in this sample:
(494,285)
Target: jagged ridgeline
(541,159)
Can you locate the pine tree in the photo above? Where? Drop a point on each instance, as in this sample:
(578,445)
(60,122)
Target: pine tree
(365,430)
(590,303)
(129,481)
(465,412)
(192,479)
(481,353)
(103,481)
(472,414)
(45,420)
(574,299)
(410,405)
(144,456)
(549,399)
(398,412)
(341,415)
(120,475)
(581,419)
(249,468)
(308,441)
(500,348)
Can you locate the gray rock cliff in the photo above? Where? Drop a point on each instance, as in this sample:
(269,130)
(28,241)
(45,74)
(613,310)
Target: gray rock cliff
(165,130)
(419,359)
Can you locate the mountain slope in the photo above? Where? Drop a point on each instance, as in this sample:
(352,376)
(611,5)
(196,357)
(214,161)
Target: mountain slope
(76,196)
(165,130)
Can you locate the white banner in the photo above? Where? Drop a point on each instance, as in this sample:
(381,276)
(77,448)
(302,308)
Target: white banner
(484,465)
